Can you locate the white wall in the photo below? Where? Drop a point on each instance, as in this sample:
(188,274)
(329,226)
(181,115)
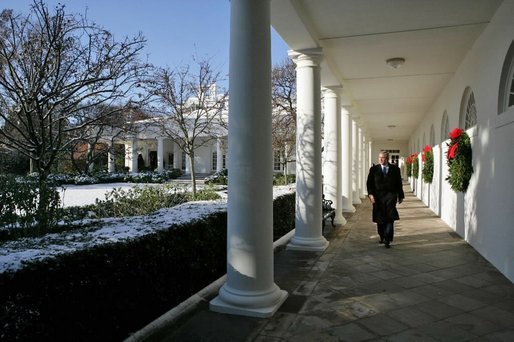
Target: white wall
(483,215)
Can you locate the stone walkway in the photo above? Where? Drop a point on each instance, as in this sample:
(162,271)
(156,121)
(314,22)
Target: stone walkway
(429,286)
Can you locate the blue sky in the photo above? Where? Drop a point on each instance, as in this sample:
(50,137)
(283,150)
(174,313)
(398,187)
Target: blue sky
(175,29)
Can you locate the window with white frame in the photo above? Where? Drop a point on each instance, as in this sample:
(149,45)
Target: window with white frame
(214,160)
(506,95)
(445,127)
(171,160)
(276,161)
(468,110)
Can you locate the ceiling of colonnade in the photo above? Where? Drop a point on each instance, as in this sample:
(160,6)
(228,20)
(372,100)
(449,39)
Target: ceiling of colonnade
(358,36)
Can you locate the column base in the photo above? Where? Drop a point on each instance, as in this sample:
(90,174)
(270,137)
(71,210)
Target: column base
(248,303)
(349,209)
(347,206)
(308,244)
(339,220)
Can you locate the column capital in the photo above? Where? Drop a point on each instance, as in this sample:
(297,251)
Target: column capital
(332,91)
(306,57)
(345,111)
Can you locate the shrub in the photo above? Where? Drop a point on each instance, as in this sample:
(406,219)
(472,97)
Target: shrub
(19,200)
(115,289)
(12,162)
(280,179)
(220,178)
(206,194)
(138,201)
(112,290)
(283,215)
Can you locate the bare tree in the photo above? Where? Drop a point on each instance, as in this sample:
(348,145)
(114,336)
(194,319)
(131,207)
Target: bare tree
(188,106)
(99,139)
(53,67)
(283,80)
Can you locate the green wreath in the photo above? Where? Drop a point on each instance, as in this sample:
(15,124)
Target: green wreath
(415,166)
(459,160)
(428,164)
(408,166)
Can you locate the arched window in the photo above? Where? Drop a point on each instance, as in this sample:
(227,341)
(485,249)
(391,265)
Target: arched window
(445,127)
(432,135)
(468,111)
(506,95)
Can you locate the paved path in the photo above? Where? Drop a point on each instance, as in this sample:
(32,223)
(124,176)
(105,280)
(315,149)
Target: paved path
(430,286)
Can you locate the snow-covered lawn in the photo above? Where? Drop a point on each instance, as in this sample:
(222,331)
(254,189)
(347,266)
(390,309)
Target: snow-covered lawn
(79,195)
(13,254)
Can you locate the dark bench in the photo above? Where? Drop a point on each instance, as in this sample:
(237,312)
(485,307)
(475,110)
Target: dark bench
(327,212)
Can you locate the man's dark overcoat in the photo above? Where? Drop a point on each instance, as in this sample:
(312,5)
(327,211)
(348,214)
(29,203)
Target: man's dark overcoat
(386,190)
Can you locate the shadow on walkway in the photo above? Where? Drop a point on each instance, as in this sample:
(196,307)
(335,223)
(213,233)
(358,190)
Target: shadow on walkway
(429,286)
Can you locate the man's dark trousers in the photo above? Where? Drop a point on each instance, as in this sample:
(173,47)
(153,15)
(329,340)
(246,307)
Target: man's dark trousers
(386,231)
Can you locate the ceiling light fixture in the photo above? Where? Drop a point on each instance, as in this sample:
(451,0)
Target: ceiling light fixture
(395,62)
(391,126)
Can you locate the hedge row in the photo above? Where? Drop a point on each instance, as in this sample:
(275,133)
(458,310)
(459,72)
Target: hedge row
(110,291)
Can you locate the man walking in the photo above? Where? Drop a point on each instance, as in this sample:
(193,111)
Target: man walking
(384,186)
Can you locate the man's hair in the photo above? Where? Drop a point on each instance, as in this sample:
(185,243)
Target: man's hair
(385,153)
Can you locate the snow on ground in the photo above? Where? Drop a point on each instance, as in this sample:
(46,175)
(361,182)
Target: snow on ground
(78,195)
(13,254)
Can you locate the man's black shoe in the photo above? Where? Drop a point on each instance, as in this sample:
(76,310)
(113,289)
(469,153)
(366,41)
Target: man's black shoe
(381,241)
(387,244)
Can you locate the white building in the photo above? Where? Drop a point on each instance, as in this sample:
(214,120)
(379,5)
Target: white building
(154,144)
(396,75)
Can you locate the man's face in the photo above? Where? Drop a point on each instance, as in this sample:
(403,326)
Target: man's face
(382,159)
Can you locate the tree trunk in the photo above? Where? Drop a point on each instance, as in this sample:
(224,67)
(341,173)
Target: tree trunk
(285,168)
(42,214)
(193,176)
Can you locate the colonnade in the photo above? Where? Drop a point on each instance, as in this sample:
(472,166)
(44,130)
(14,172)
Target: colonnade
(133,148)
(249,288)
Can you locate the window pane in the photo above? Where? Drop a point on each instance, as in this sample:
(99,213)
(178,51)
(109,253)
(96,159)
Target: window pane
(471,112)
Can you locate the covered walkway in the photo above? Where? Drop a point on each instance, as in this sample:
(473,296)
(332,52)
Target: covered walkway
(430,286)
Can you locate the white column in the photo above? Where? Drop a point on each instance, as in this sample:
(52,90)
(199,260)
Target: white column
(219,155)
(332,164)
(160,154)
(188,164)
(91,150)
(110,157)
(361,162)
(355,163)
(368,160)
(308,232)
(250,289)
(177,156)
(133,156)
(369,149)
(346,158)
